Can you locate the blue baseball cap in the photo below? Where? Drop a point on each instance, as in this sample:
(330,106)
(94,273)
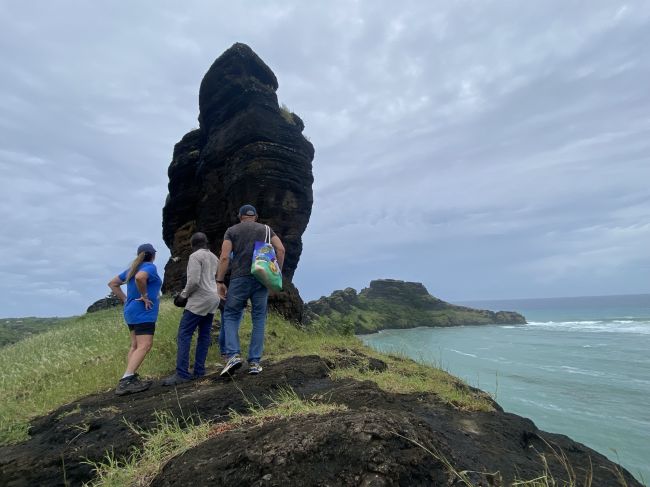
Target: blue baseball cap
(247,210)
(148,248)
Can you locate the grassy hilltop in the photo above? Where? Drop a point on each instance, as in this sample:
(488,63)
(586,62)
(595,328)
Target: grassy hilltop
(326,411)
(88,355)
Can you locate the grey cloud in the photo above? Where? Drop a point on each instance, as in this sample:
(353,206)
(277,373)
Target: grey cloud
(479,147)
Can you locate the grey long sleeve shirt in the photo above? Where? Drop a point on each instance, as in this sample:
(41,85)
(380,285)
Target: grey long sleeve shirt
(201,286)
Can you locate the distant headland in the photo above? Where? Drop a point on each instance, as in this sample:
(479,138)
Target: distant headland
(391,303)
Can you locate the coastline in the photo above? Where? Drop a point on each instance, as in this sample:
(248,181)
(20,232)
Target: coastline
(545,371)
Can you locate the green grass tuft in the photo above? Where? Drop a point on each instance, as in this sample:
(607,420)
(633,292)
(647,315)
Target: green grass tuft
(287,114)
(173,436)
(406,376)
(285,404)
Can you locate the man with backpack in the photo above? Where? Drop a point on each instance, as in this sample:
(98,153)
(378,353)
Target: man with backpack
(240,240)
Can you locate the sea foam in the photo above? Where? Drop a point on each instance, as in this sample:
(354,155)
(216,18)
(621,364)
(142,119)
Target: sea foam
(604,326)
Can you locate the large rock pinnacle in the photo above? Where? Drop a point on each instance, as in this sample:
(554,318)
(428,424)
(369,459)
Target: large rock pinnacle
(247,150)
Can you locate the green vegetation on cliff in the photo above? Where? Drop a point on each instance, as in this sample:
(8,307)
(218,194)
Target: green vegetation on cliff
(389,303)
(388,410)
(13,330)
(87,355)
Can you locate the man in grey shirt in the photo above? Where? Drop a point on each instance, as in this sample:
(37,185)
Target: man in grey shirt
(240,240)
(202,302)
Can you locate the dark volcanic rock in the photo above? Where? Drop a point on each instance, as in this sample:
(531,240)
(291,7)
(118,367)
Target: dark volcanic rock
(341,301)
(381,438)
(247,150)
(110,301)
(403,292)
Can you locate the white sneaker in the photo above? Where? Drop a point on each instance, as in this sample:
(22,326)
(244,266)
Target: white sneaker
(233,364)
(254,368)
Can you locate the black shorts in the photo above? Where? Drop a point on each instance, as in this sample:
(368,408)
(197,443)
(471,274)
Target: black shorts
(143,328)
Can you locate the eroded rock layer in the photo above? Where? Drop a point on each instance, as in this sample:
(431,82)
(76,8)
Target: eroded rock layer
(247,150)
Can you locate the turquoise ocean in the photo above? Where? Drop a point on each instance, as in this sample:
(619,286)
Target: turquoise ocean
(580,367)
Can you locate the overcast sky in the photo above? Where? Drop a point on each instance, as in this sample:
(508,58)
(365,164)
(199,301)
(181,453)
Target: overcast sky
(489,149)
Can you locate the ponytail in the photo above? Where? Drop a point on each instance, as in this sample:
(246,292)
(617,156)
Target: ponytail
(135,265)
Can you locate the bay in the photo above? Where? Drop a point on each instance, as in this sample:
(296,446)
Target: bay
(580,367)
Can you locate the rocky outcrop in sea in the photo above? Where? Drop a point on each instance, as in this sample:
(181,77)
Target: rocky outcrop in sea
(247,149)
(391,303)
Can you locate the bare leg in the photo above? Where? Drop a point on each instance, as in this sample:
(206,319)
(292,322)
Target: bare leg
(143,345)
(134,345)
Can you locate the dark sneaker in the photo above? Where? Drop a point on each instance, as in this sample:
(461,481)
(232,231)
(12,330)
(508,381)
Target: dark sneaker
(254,368)
(131,385)
(233,364)
(174,380)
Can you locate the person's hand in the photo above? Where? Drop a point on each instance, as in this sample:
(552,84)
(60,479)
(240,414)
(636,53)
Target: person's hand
(222,290)
(148,304)
(180,300)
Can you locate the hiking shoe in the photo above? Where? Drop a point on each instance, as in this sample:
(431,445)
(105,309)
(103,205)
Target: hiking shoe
(254,368)
(131,385)
(174,380)
(233,364)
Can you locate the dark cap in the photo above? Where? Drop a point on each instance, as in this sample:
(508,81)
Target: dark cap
(247,210)
(148,248)
(199,239)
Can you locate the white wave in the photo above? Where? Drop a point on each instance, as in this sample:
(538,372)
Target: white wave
(572,370)
(543,405)
(638,421)
(602,326)
(462,353)
(576,370)
(498,360)
(562,323)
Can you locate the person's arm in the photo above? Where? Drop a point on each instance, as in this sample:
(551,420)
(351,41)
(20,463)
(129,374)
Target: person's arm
(141,283)
(279,249)
(115,285)
(224,262)
(193,276)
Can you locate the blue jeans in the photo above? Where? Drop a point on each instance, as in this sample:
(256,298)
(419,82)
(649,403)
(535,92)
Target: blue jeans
(189,323)
(222,337)
(242,289)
